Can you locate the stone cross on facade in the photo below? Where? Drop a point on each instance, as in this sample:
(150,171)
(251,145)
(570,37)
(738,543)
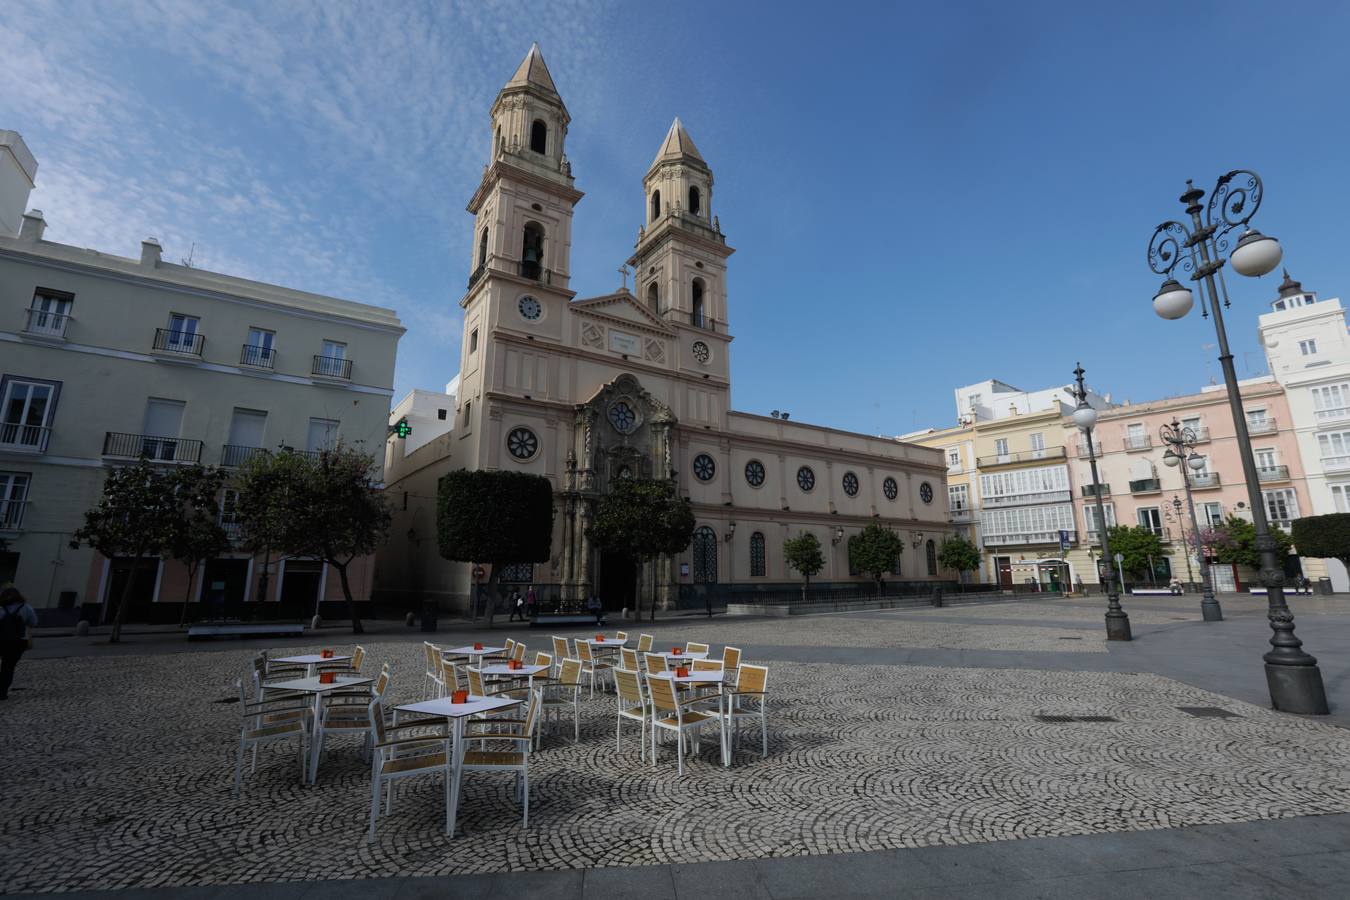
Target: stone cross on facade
(624,271)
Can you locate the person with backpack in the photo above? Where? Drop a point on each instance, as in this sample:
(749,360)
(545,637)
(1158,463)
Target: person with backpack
(17,621)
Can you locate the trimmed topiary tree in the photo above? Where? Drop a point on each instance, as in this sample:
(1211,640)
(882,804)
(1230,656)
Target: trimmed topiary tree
(1324,537)
(959,554)
(498,518)
(873,552)
(642,518)
(803,554)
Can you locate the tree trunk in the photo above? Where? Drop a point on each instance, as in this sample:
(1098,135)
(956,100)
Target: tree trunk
(806,584)
(347,593)
(494,582)
(122,604)
(653,618)
(187,595)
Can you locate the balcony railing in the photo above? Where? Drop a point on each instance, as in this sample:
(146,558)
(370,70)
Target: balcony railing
(229,523)
(236,455)
(1272,473)
(331,367)
(1201,433)
(1202,480)
(1261,426)
(959,516)
(477,274)
(1021,456)
(1335,463)
(120,445)
(11,514)
(1081,449)
(1090,490)
(253,355)
(1145,486)
(1026,537)
(24,438)
(47,324)
(1138,441)
(185,343)
(1028,499)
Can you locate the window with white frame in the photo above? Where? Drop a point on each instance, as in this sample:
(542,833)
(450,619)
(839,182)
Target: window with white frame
(1038,441)
(1150,517)
(1281,505)
(1001,447)
(1334,449)
(13,499)
(1308,347)
(958,497)
(1265,459)
(954,458)
(258,350)
(49,311)
(1211,514)
(1193,423)
(1090,516)
(1257,419)
(1029,523)
(1340,496)
(1006,487)
(1331,401)
(323,434)
(26,410)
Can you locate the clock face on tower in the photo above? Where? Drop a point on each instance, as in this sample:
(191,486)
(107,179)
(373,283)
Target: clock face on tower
(530,308)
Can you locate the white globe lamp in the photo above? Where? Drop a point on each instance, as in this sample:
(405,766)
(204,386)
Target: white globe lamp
(1172,300)
(1255,254)
(1085,417)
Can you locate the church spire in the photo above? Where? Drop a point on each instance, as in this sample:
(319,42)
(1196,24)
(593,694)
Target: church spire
(533,72)
(678,145)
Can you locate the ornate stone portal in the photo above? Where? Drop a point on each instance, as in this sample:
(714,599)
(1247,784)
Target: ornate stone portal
(621,432)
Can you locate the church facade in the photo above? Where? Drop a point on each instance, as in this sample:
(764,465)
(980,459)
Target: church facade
(633,383)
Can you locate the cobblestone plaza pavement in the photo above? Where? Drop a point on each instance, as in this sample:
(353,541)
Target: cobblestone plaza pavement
(127,757)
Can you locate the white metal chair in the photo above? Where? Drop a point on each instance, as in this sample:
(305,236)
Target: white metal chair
(592,667)
(433,682)
(520,733)
(423,750)
(346,713)
(565,691)
(644,643)
(632,707)
(751,686)
(267,721)
(669,714)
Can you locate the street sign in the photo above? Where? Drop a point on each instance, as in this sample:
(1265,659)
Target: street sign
(478,572)
(1063,540)
(1119,558)
(402,429)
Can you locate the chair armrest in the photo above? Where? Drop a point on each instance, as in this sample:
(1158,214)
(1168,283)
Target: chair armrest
(500,737)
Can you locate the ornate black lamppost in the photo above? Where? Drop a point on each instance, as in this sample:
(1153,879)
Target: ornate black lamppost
(1292,675)
(1180,443)
(1085,417)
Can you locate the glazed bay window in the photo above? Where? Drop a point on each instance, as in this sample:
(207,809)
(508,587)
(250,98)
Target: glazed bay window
(1331,402)
(258,350)
(49,313)
(1281,506)
(333,361)
(1334,449)
(26,410)
(958,497)
(13,500)
(1340,496)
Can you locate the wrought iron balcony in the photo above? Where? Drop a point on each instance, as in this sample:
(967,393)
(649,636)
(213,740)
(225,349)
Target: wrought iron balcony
(1021,456)
(1081,449)
(18,438)
(121,445)
(229,523)
(46,324)
(11,514)
(1272,473)
(236,455)
(331,367)
(477,274)
(1264,425)
(1203,480)
(961,515)
(1201,434)
(1090,490)
(254,355)
(1145,486)
(1138,441)
(181,343)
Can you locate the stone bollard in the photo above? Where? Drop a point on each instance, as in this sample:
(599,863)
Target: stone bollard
(316,623)
(937,597)
(410,620)
(82,628)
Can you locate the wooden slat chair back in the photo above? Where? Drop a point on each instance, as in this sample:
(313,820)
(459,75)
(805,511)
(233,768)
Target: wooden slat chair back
(621,635)
(668,714)
(645,642)
(696,648)
(398,753)
(656,662)
(560,647)
(630,659)
(519,653)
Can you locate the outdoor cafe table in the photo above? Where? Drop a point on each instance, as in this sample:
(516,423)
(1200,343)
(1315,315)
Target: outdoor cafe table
(312,660)
(312,685)
(475,656)
(456,713)
(697,654)
(605,644)
(501,669)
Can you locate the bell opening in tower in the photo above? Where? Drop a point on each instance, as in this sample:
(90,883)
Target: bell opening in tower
(532,252)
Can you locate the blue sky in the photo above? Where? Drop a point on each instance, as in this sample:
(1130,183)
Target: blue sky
(920,197)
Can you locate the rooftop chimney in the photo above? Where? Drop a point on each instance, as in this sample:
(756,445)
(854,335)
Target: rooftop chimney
(33,226)
(18,170)
(150,252)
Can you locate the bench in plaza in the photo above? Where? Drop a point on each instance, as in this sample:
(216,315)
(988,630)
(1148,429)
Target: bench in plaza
(562,619)
(208,630)
(1152,591)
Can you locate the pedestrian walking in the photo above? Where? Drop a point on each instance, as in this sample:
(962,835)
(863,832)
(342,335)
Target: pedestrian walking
(596,608)
(517,606)
(530,600)
(17,621)
(707,601)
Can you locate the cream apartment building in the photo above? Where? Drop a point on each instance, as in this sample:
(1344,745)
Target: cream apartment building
(634,383)
(106,359)
(1139,490)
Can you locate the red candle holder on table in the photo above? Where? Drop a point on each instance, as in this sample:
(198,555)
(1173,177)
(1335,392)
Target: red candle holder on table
(326,654)
(478,646)
(459,697)
(681,672)
(327,677)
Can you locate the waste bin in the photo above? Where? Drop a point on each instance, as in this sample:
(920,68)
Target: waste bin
(430,611)
(1324,586)
(937,596)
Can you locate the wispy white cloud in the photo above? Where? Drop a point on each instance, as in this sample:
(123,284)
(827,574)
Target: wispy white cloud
(325,146)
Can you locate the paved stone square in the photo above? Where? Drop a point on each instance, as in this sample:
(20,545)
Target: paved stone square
(128,768)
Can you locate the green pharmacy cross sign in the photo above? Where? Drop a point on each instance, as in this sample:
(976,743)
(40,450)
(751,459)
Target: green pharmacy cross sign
(402,429)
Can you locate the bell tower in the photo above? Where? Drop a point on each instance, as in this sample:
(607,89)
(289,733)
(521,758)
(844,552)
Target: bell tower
(680,259)
(522,234)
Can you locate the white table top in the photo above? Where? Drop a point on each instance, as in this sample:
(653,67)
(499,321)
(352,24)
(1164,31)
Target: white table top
(501,669)
(606,642)
(469,651)
(309,659)
(708,677)
(313,686)
(443,706)
(697,654)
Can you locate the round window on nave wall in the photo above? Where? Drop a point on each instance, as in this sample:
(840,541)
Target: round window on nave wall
(850,484)
(806,479)
(704,467)
(522,443)
(890,488)
(754,473)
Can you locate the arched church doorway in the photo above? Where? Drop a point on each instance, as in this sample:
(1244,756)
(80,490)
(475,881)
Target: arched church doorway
(617,582)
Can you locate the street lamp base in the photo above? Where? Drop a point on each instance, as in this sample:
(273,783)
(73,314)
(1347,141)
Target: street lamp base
(1211,610)
(1118,627)
(1297,689)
